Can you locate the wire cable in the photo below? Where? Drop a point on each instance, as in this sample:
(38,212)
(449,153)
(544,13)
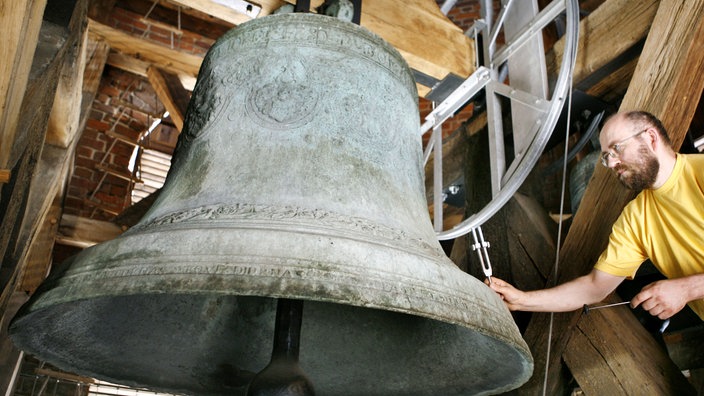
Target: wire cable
(573,57)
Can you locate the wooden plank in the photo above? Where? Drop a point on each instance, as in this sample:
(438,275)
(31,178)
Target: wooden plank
(171,93)
(44,168)
(9,354)
(37,262)
(174,61)
(666,82)
(613,87)
(429,42)
(591,375)
(20,21)
(426,38)
(84,232)
(612,29)
(223,12)
(5,175)
(96,58)
(64,119)
(139,67)
(64,376)
(605,360)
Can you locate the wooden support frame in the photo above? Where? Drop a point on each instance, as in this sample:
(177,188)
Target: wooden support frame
(19,29)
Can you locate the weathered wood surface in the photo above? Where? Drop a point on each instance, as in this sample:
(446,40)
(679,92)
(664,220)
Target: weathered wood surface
(20,22)
(140,67)
(96,57)
(174,61)
(171,93)
(426,38)
(64,120)
(83,232)
(611,353)
(668,83)
(612,29)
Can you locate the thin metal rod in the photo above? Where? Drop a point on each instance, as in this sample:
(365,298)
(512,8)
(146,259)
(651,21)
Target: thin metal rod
(588,308)
(572,57)
(437,179)
(496,28)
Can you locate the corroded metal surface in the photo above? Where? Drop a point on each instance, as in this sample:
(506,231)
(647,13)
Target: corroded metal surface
(298,175)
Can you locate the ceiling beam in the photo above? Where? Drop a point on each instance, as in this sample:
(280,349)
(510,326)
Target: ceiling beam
(427,39)
(609,31)
(174,61)
(171,93)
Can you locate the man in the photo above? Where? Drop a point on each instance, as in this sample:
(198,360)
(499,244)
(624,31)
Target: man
(664,223)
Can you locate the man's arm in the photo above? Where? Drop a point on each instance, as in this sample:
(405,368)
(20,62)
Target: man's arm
(667,297)
(569,296)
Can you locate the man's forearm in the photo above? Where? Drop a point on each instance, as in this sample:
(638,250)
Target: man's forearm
(569,296)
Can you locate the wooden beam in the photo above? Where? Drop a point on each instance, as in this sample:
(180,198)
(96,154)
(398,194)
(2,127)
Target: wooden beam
(426,38)
(5,176)
(605,34)
(428,41)
(667,82)
(174,61)
(83,232)
(139,67)
(595,356)
(65,116)
(96,58)
(223,12)
(20,22)
(171,93)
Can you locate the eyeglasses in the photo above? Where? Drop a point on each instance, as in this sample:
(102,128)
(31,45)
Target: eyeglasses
(616,149)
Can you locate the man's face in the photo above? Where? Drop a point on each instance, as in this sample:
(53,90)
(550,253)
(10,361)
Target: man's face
(639,173)
(627,155)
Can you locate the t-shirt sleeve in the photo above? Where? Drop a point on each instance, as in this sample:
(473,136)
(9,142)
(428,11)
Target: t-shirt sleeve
(624,254)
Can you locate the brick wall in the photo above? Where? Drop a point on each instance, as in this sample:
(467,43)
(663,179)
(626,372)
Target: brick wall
(182,40)
(111,112)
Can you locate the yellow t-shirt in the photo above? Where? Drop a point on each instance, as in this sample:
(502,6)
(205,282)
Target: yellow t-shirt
(665,225)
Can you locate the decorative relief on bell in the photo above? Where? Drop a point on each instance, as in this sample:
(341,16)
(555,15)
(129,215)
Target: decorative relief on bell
(336,223)
(287,102)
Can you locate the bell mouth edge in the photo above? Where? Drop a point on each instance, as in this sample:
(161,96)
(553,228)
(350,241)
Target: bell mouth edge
(421,298)
(521,364)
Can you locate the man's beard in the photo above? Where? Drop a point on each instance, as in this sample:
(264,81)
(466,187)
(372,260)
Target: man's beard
(642,174)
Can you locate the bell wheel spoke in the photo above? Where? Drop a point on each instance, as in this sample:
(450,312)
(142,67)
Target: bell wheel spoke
(517,88)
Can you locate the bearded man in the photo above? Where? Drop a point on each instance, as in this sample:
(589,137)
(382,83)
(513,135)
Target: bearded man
(664,223)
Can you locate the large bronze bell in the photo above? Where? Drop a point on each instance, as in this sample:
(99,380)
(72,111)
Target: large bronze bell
(298,177)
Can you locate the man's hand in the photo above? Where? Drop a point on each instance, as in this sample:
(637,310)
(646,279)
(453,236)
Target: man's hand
(511,296)
(663,298)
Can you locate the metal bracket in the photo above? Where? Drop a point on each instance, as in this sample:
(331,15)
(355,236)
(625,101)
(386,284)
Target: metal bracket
(480,245)
(470,87)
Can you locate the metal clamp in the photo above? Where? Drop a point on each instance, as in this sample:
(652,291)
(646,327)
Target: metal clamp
(480,245)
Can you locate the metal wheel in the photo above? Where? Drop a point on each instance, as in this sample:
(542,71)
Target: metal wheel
(513,78)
